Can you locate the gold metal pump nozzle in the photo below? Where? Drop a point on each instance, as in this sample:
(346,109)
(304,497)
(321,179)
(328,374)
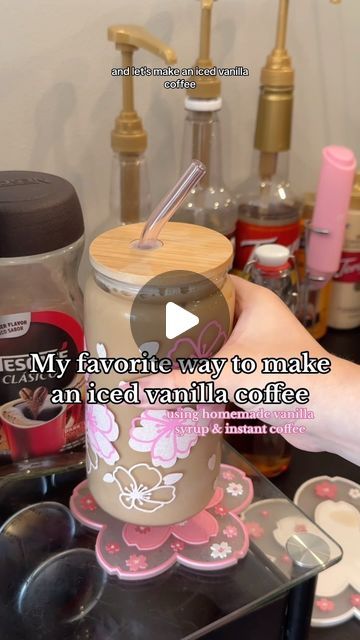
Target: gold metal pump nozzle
(128,135)
(274,117)
(207,87)
(273,127)
(278,71)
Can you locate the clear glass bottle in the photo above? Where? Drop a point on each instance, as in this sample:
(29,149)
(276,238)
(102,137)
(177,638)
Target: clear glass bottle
(210,203)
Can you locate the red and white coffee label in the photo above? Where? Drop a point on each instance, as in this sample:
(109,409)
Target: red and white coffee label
(30,425)
(349,270)
(250,236)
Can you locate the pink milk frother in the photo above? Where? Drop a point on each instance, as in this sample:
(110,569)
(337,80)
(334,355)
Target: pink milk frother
(327,228)
(325,234)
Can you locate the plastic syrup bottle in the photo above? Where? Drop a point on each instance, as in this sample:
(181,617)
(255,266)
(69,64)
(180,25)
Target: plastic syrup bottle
(272,267)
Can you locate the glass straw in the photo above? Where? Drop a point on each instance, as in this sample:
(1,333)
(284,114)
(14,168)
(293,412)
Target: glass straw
(169,204)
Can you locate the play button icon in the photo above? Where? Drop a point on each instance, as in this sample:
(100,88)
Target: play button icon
(179,314)
(178,320)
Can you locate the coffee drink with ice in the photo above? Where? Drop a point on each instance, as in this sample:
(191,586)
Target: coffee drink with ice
(147,464)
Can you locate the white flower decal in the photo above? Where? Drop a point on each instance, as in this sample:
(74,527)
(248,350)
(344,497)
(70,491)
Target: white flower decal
(92,459)
(212,462)
(354,493)
(220,550)
(101,431)
(101,350)
(134,494)
(235,489)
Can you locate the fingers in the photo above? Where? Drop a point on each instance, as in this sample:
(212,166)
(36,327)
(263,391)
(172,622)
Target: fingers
(247,293)
(241,291)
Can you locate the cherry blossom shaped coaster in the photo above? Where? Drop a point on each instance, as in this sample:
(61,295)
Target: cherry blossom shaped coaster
(334,504)
(213,539)
(270,523)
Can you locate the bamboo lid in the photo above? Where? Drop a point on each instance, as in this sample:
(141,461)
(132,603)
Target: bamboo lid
(185,247)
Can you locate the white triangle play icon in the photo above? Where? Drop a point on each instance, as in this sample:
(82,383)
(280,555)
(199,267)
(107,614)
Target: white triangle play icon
(178,320)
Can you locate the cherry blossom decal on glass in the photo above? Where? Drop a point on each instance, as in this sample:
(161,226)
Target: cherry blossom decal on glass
(133,494)
(165,437)
(101,432)
(213,539)
(209,342)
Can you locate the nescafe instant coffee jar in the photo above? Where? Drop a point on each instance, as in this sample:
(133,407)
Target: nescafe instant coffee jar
(41,242)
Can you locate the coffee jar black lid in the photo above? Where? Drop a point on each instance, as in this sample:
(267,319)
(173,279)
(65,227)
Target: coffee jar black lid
(39,213)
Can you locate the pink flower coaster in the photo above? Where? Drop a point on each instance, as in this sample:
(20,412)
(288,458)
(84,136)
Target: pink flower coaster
(211,540)
(334,504)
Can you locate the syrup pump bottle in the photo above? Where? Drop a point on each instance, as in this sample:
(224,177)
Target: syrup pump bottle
(130,199)
(209,204)
(267,209)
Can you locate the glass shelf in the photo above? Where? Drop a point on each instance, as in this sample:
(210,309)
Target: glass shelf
(177,605)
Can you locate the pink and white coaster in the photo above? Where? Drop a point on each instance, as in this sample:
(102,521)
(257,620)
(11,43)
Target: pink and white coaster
(214,539)
(334,504)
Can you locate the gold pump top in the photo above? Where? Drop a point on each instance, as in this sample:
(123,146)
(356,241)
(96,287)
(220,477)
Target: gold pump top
(207,87)
(184,247)
(129,135)
(278,71)
(274,117)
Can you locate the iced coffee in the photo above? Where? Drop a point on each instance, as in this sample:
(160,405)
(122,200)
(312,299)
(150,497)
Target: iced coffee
(152,465)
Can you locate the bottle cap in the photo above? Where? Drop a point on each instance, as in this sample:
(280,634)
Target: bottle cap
(39,213)
(193,104)
(272,255)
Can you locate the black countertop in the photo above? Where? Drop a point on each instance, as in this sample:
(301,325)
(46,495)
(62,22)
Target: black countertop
(308,465)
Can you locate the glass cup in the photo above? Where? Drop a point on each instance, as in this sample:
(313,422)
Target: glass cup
(154,465)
